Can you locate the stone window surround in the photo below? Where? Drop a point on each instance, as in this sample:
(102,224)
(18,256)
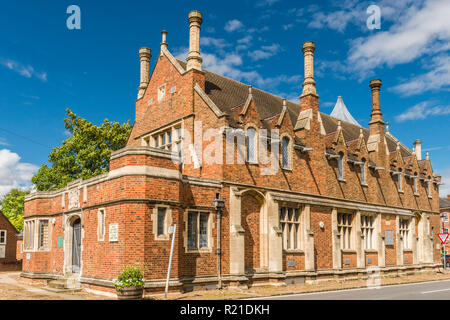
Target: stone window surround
(363,173)
(42,246)
(211,227)
(256,143)
(161,93)
(35,234)
(150,138)
(402,231)
(351,240)
(290,153)
(100,235)
(4,236)
(301,228)
(168,220)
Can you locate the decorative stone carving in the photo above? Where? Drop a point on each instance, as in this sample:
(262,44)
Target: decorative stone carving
(74,198)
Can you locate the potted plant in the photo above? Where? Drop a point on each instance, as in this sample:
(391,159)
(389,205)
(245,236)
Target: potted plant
(130,284)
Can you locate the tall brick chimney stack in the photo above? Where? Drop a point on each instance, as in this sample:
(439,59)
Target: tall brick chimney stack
(418,149)
(309,98)
(144,54)
(309,86)
(194,60)
(376,124)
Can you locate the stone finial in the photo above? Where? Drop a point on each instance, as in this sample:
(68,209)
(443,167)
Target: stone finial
(194,60)
(144,54)
(361,135)
(284,103)
(387,127)
(309,86)
(163,41)
(398,146)
(339,127)
(250,91)
(428,155)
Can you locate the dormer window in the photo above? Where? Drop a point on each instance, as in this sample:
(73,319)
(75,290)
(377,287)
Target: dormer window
(285,153)
(429,187)
(341,166)
(161,92)
(250,139)
(415,183)
(399,180)
(363,171)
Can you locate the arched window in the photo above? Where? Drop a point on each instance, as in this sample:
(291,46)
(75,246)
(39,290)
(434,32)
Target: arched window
(285,153)
(363,171)
(341,166)
(250,141)
(399,177)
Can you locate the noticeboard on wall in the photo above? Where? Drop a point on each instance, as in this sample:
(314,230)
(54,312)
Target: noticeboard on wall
(389,237)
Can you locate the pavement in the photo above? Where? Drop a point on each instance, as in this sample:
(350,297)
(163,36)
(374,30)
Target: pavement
(432,290)
(11,288)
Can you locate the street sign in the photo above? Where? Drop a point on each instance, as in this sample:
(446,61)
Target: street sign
(443,237)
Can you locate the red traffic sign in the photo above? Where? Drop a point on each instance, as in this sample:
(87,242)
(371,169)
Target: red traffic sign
(443,237)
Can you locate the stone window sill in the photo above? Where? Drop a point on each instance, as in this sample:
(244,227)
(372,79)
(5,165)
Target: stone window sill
(293,251)
(370,251)
(416,194)
(364,185)
(197,251)
(341,180)
(401,191)
(162,237)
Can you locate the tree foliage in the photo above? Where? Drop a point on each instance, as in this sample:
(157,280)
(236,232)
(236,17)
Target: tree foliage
(83,155)
(13,207)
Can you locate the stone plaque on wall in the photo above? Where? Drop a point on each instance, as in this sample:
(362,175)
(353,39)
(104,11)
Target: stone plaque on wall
(2,251)
(74,198)
(389,237)
(113,232)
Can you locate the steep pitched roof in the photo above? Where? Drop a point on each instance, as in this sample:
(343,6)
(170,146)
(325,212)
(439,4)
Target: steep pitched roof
(227,94)
(341,112)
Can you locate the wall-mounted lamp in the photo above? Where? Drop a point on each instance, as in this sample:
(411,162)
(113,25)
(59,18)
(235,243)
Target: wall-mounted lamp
(321,224)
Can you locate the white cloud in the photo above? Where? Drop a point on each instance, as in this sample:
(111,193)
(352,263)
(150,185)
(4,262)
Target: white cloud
(438,77)
(233,25)
(421,111)
(26,71)
(266,3)
(265,52)
(288,26)
(13,173)
(420,31)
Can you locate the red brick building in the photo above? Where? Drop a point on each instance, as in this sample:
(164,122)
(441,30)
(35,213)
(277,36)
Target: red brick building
(444,208)
(8,243)
(342,198)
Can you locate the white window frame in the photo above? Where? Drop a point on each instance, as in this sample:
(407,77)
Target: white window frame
(5,233)
(101,224)
(415,189)
(40,239)
(172,136)
(291,228)
(400,180)
(404,229)
(368,230)
(429,187)
(197,247)
(345,230)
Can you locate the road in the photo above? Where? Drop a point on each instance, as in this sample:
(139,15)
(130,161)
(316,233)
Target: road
(432,290)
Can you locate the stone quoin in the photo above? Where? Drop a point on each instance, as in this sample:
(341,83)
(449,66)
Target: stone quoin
(324,214)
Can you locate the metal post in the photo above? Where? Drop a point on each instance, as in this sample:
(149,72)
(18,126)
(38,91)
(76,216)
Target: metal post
(219,251)
(443,243)
(170,260)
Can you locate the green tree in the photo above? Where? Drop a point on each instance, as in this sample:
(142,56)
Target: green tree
(12,207)
(83,155)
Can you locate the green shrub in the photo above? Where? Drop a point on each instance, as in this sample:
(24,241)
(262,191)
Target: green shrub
(131,276)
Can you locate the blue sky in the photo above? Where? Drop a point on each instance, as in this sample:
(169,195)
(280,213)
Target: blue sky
(45,67)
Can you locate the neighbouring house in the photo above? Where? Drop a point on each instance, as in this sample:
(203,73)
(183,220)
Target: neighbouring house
(8,244)
(306,196)
(444,208)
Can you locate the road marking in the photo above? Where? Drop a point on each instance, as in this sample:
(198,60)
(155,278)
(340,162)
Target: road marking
(346,290)
(435,291)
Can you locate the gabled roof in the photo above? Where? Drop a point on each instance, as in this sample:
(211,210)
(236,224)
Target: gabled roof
(227,94)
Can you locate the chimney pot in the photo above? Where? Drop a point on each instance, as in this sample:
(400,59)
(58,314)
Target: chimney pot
(163,40)
(418,149)
(194,60)
(144,54)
